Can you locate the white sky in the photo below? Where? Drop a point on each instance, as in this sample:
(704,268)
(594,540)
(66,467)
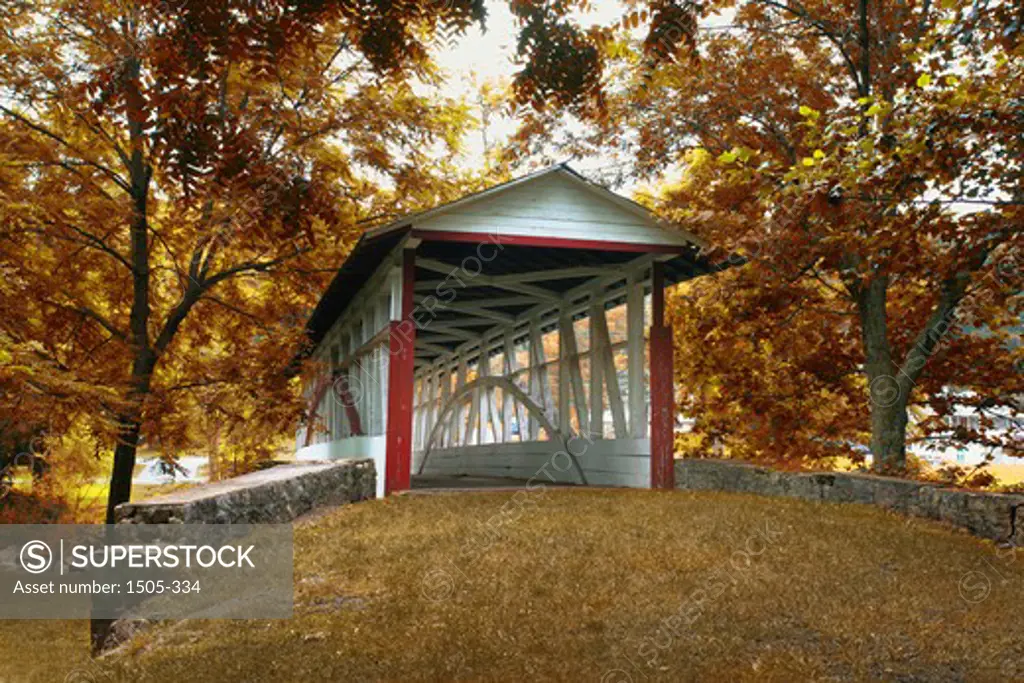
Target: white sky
(482,56)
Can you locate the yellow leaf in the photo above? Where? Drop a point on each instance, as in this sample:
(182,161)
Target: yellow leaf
(727,157)
(873,110)
(697,156)
(923,80)
(818,154)
(808,161)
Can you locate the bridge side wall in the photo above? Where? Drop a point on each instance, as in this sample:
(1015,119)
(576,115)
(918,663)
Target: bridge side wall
(605,462)
(999,517)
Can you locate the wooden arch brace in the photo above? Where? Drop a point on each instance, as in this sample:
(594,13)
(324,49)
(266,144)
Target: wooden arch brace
(351,411)
(506,385)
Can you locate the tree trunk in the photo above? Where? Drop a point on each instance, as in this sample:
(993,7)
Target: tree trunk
(100,630)
(144,357)
(124,466)
(888,429)
(887,390)
(99,633)
(128,437)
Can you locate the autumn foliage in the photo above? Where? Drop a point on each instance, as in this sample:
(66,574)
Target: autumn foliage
(178,180)
(857,167)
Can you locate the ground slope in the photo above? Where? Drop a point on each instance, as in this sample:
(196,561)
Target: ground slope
(597,585)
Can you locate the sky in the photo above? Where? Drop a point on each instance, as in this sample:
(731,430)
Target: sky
(482,56)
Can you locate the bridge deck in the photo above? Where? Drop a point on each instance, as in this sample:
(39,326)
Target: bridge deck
(434,483)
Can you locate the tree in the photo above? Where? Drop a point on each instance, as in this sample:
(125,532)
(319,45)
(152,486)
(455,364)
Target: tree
(861,162)
(166,162)
(768,374)
(864,162)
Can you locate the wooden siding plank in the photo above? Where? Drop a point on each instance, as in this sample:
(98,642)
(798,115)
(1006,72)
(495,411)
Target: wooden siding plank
(606,360)
(596,426)
(564,420)
(635,355)
(538,376)
(400,386)
(576,378)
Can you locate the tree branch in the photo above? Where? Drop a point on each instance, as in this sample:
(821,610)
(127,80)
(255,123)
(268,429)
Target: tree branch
(197,288)
(952,293)
(251,266)
(118,180)
(88,312)
(827,33)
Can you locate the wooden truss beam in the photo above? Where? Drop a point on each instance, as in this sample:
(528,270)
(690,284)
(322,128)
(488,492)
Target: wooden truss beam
(548,313)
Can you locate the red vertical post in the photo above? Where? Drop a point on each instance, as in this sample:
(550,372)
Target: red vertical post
(662,390)
(402,340)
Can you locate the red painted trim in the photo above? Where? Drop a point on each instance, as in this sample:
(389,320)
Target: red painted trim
(658,294)
(402,339)
(662,389)
(662,410)
(556,242)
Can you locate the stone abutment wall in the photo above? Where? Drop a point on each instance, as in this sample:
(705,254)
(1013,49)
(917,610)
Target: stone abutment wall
(999,517)
(275,495)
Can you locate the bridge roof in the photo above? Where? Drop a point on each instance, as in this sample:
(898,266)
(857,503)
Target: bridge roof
(553,219)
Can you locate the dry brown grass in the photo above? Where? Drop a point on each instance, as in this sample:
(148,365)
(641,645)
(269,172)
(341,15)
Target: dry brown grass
(598,585)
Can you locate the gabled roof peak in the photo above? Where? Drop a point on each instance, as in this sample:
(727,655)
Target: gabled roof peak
(563,169)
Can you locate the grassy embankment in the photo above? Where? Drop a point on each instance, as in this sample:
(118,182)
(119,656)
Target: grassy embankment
(595,585)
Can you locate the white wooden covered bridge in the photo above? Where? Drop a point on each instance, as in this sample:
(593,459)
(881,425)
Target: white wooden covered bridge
(517,332)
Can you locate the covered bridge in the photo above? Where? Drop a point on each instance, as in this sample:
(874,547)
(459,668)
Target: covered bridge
(517,332)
